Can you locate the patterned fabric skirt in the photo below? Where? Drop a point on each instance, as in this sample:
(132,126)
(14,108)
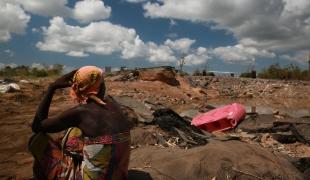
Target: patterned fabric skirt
(50,162)
(104,157)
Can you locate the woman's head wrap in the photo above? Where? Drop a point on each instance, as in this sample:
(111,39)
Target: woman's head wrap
(86,84)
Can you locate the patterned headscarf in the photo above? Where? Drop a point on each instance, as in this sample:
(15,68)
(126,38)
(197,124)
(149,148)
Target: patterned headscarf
(86,84)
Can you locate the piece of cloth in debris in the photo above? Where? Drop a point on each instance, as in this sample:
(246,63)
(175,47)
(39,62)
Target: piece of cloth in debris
(86,84)
(104,157)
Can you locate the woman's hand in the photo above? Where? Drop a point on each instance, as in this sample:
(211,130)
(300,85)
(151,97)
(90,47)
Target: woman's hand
(64,81)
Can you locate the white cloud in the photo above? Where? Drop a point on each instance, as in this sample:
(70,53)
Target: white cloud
(172,35)
(134,49)
(84,11)
(35,30)
(181,45)
(160,54)
(272,24)
(37,66)
(240,53)
(101,38)
(2,66)
(104,38)
(172,23)
(91,10)
(9,52)
(77,54)
(13,20)
(135,1)
(302,56)
(198,57)
(45,7)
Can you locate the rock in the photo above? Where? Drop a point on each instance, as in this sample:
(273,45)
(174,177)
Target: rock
(294,128)
(163,74)
(144,114)
(216,160)
(284,137)
(12,87)
(255,124)
(302,132)
(191,113)
(152,105)
(143,136)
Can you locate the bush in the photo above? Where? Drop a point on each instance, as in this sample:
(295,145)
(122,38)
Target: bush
(26,71)
(291,72)
(248,74)
(39,72)
(197,73)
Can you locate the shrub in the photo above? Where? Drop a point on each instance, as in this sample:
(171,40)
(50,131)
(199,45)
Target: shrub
(26,71)
(291,72)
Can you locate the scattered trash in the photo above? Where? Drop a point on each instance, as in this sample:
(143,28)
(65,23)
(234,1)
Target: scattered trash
(24,81)
(220,119)
(170,121)
(7,88)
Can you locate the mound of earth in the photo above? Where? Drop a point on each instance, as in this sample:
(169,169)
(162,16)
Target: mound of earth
(216,160)
(164,74)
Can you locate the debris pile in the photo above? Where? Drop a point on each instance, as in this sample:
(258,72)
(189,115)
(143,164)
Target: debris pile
(187,134)
(283,129)
(252,88)
(8,85)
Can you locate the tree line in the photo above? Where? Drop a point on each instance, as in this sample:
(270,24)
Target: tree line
(275,71)
(26,71)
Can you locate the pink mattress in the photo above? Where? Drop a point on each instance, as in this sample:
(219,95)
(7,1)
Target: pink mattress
(220,119)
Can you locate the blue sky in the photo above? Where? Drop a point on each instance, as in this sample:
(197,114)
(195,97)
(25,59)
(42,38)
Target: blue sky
(227,35)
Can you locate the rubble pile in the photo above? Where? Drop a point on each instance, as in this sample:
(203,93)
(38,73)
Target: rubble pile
(188,135)
(252,88)
(164,74)
(283,129)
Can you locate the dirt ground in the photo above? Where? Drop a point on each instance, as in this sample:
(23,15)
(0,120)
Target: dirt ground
(18,108)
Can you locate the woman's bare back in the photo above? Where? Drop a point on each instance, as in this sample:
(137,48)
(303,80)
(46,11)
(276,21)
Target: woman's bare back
(97,120)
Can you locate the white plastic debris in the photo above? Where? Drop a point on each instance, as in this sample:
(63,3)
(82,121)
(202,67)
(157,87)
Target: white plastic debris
(12,87)
(24,81)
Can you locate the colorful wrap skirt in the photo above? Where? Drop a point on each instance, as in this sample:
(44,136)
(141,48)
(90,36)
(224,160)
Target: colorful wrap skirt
(80,157)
